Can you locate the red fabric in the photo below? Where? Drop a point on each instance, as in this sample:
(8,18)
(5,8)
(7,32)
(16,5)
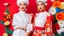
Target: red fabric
(38,28)
(2,29)
(55,27)
(13,8)
(52,18)
(38,33)
(48,25)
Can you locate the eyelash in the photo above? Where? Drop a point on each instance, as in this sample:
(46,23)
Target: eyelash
(21,4)
(41,4)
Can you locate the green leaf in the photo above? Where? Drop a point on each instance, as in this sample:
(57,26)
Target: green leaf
(7,11)
(1,22)
(55,20)
(57,35)
(10,32)
(6,28)
(62,34)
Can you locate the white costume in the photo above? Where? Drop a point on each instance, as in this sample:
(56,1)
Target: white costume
(25,1)
(21,19)
(40,19)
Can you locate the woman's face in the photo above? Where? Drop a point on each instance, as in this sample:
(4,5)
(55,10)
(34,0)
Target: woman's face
(22,6)
(40,6)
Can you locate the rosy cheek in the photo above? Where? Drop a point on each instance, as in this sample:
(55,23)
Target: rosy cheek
(38,8)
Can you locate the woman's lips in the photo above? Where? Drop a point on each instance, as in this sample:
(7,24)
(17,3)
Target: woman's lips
(22,7)
(40,8)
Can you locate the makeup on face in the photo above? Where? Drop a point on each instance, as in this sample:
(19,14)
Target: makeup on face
(22,6)
(40,6)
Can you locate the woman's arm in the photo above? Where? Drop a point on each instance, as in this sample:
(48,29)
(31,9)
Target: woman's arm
(30,25)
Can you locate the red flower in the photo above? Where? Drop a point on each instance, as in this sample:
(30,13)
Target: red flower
(4,19)
(56,4)
(60,16)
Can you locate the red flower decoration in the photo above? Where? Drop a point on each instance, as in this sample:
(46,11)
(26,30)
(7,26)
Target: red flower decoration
(8,16)
(60,16)
(56,4)
(4,19)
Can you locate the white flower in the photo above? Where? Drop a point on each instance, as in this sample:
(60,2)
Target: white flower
(5,34)
(5,4)
(52,11)
(62,5)
(60,30)
(6,23)
(61,23)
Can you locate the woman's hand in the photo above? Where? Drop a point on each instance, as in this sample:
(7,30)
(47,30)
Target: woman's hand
(27,34)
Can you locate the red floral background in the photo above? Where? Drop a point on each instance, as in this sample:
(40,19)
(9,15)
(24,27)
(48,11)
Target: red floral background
(13,8)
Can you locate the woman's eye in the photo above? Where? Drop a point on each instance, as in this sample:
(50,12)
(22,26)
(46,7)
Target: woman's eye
(24,4)
(41,4)
(20,4)
(37,4)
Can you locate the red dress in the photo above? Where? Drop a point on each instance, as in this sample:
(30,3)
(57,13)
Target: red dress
(42,24)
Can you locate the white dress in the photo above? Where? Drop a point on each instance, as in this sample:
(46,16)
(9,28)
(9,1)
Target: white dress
(40,19)
(21,19)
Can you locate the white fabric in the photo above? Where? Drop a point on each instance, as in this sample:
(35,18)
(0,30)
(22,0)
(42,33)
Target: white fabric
(29,28)
(40,19)
(52,11)
(44,1)
(21,19)
(25,1)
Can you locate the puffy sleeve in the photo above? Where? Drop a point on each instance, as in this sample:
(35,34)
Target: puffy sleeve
(29,28)
(30,25)
(15,21)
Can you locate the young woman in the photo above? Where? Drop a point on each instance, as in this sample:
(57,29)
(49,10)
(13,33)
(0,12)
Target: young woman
(21,20)
(42,20)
